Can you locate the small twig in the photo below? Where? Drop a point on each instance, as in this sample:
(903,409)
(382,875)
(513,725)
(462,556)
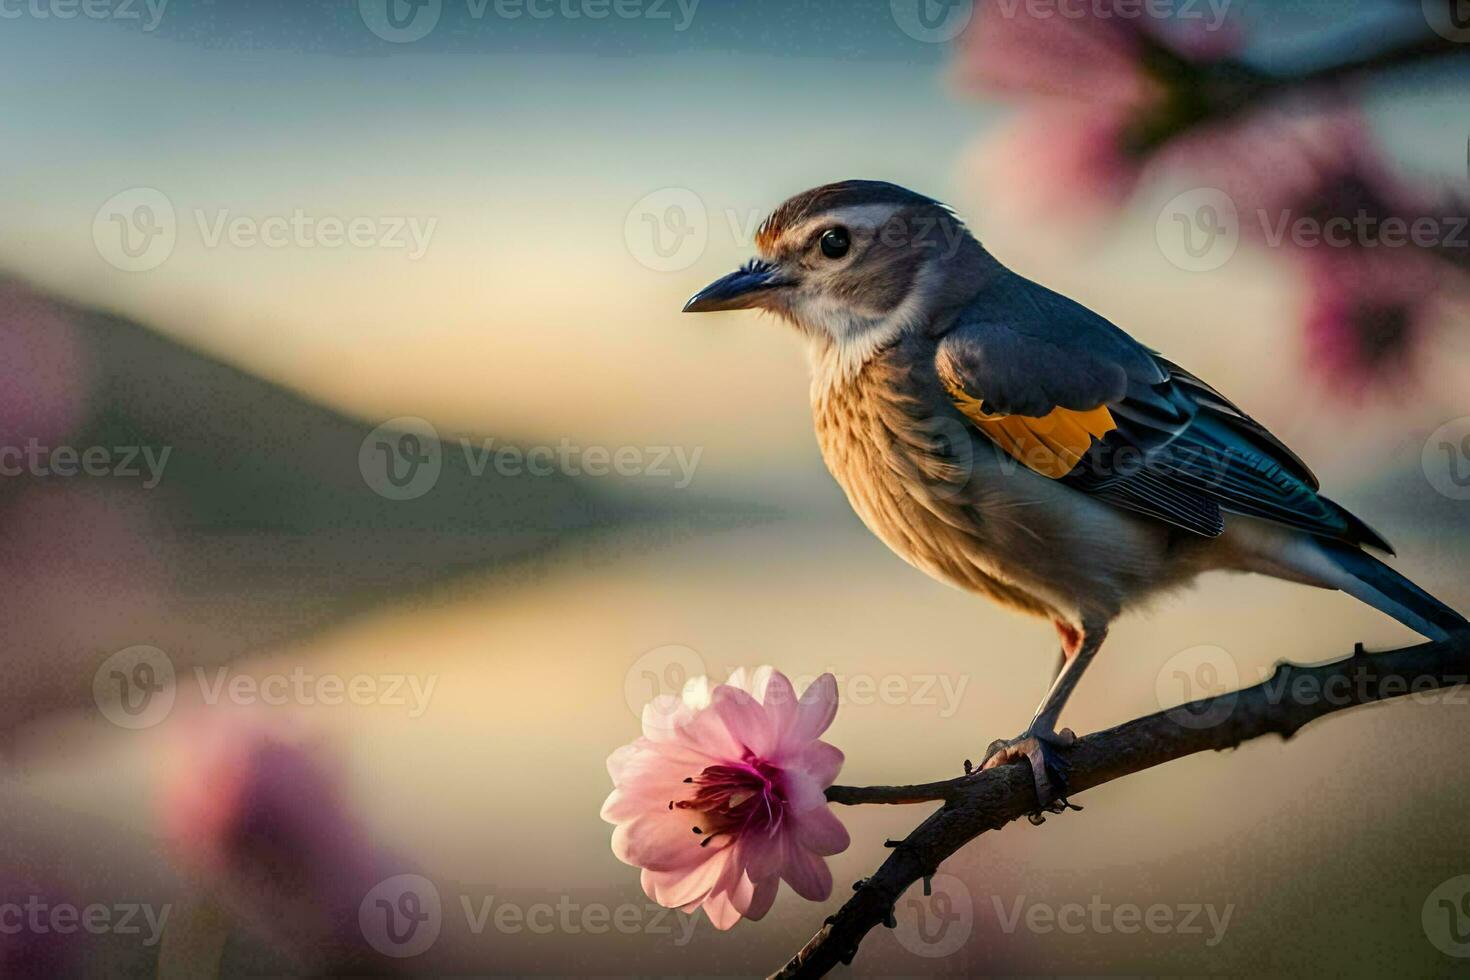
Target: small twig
(1290,698)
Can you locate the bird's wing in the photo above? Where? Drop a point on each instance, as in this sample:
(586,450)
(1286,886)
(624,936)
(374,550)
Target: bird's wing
(1072,397)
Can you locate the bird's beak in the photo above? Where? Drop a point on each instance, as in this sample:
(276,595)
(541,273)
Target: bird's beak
(746,287)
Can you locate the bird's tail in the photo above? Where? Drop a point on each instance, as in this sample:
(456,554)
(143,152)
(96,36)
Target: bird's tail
(1369,580)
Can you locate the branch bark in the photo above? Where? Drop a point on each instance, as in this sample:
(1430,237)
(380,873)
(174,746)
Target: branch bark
(1293,696)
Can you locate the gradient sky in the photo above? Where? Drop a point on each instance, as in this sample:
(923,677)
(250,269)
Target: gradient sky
(538,311)
(527,143)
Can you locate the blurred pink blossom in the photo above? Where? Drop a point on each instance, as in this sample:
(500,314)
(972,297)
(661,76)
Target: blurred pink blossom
(724,795)
(1312,184)
(1099,96)
(263,822)
(1368,312)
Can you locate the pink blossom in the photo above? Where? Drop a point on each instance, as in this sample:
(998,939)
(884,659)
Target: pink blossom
(724,795)
(262,820)
(1060,158)
(1095,106)
(1313,185)
(1032,52)
(1368,311)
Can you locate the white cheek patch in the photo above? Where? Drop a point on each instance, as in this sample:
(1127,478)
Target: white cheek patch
(842,342)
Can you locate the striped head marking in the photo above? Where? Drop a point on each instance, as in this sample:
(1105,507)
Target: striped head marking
(851,264)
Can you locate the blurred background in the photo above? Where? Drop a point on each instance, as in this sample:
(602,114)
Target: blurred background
(361,479)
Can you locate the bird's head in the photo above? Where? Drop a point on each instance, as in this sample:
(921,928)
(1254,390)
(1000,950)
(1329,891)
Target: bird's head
(852,263)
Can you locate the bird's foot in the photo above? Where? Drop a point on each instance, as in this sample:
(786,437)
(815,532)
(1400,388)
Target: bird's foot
(1048,767)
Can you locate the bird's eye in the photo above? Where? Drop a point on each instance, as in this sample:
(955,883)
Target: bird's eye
(835,243)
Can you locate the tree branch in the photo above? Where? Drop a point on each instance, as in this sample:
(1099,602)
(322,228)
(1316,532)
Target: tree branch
(1293,696)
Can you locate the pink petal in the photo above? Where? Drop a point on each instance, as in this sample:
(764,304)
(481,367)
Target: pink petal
(762,899)
(1060,158)
(752,682)
(1087,58)
(745,719)
(820,831)
(802,791)
(763,855)
(815,711)
(821,761)
(806,873)
(629,801)
(618,762)
(663,840)
(780,701)
(741,892)
(709,733)
(721,911)
(673,889)
(664,716)
(647,776)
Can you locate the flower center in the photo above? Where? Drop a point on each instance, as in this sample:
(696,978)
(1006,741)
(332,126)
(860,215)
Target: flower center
(737,798)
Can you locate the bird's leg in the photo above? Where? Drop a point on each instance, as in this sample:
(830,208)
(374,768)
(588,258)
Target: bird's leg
(1039,742)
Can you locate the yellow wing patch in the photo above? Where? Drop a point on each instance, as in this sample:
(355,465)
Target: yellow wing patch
(1050,444)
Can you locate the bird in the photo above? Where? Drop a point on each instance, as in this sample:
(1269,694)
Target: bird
(1013,443)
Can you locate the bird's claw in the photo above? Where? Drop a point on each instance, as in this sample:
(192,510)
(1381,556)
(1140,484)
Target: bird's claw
(1048,767)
